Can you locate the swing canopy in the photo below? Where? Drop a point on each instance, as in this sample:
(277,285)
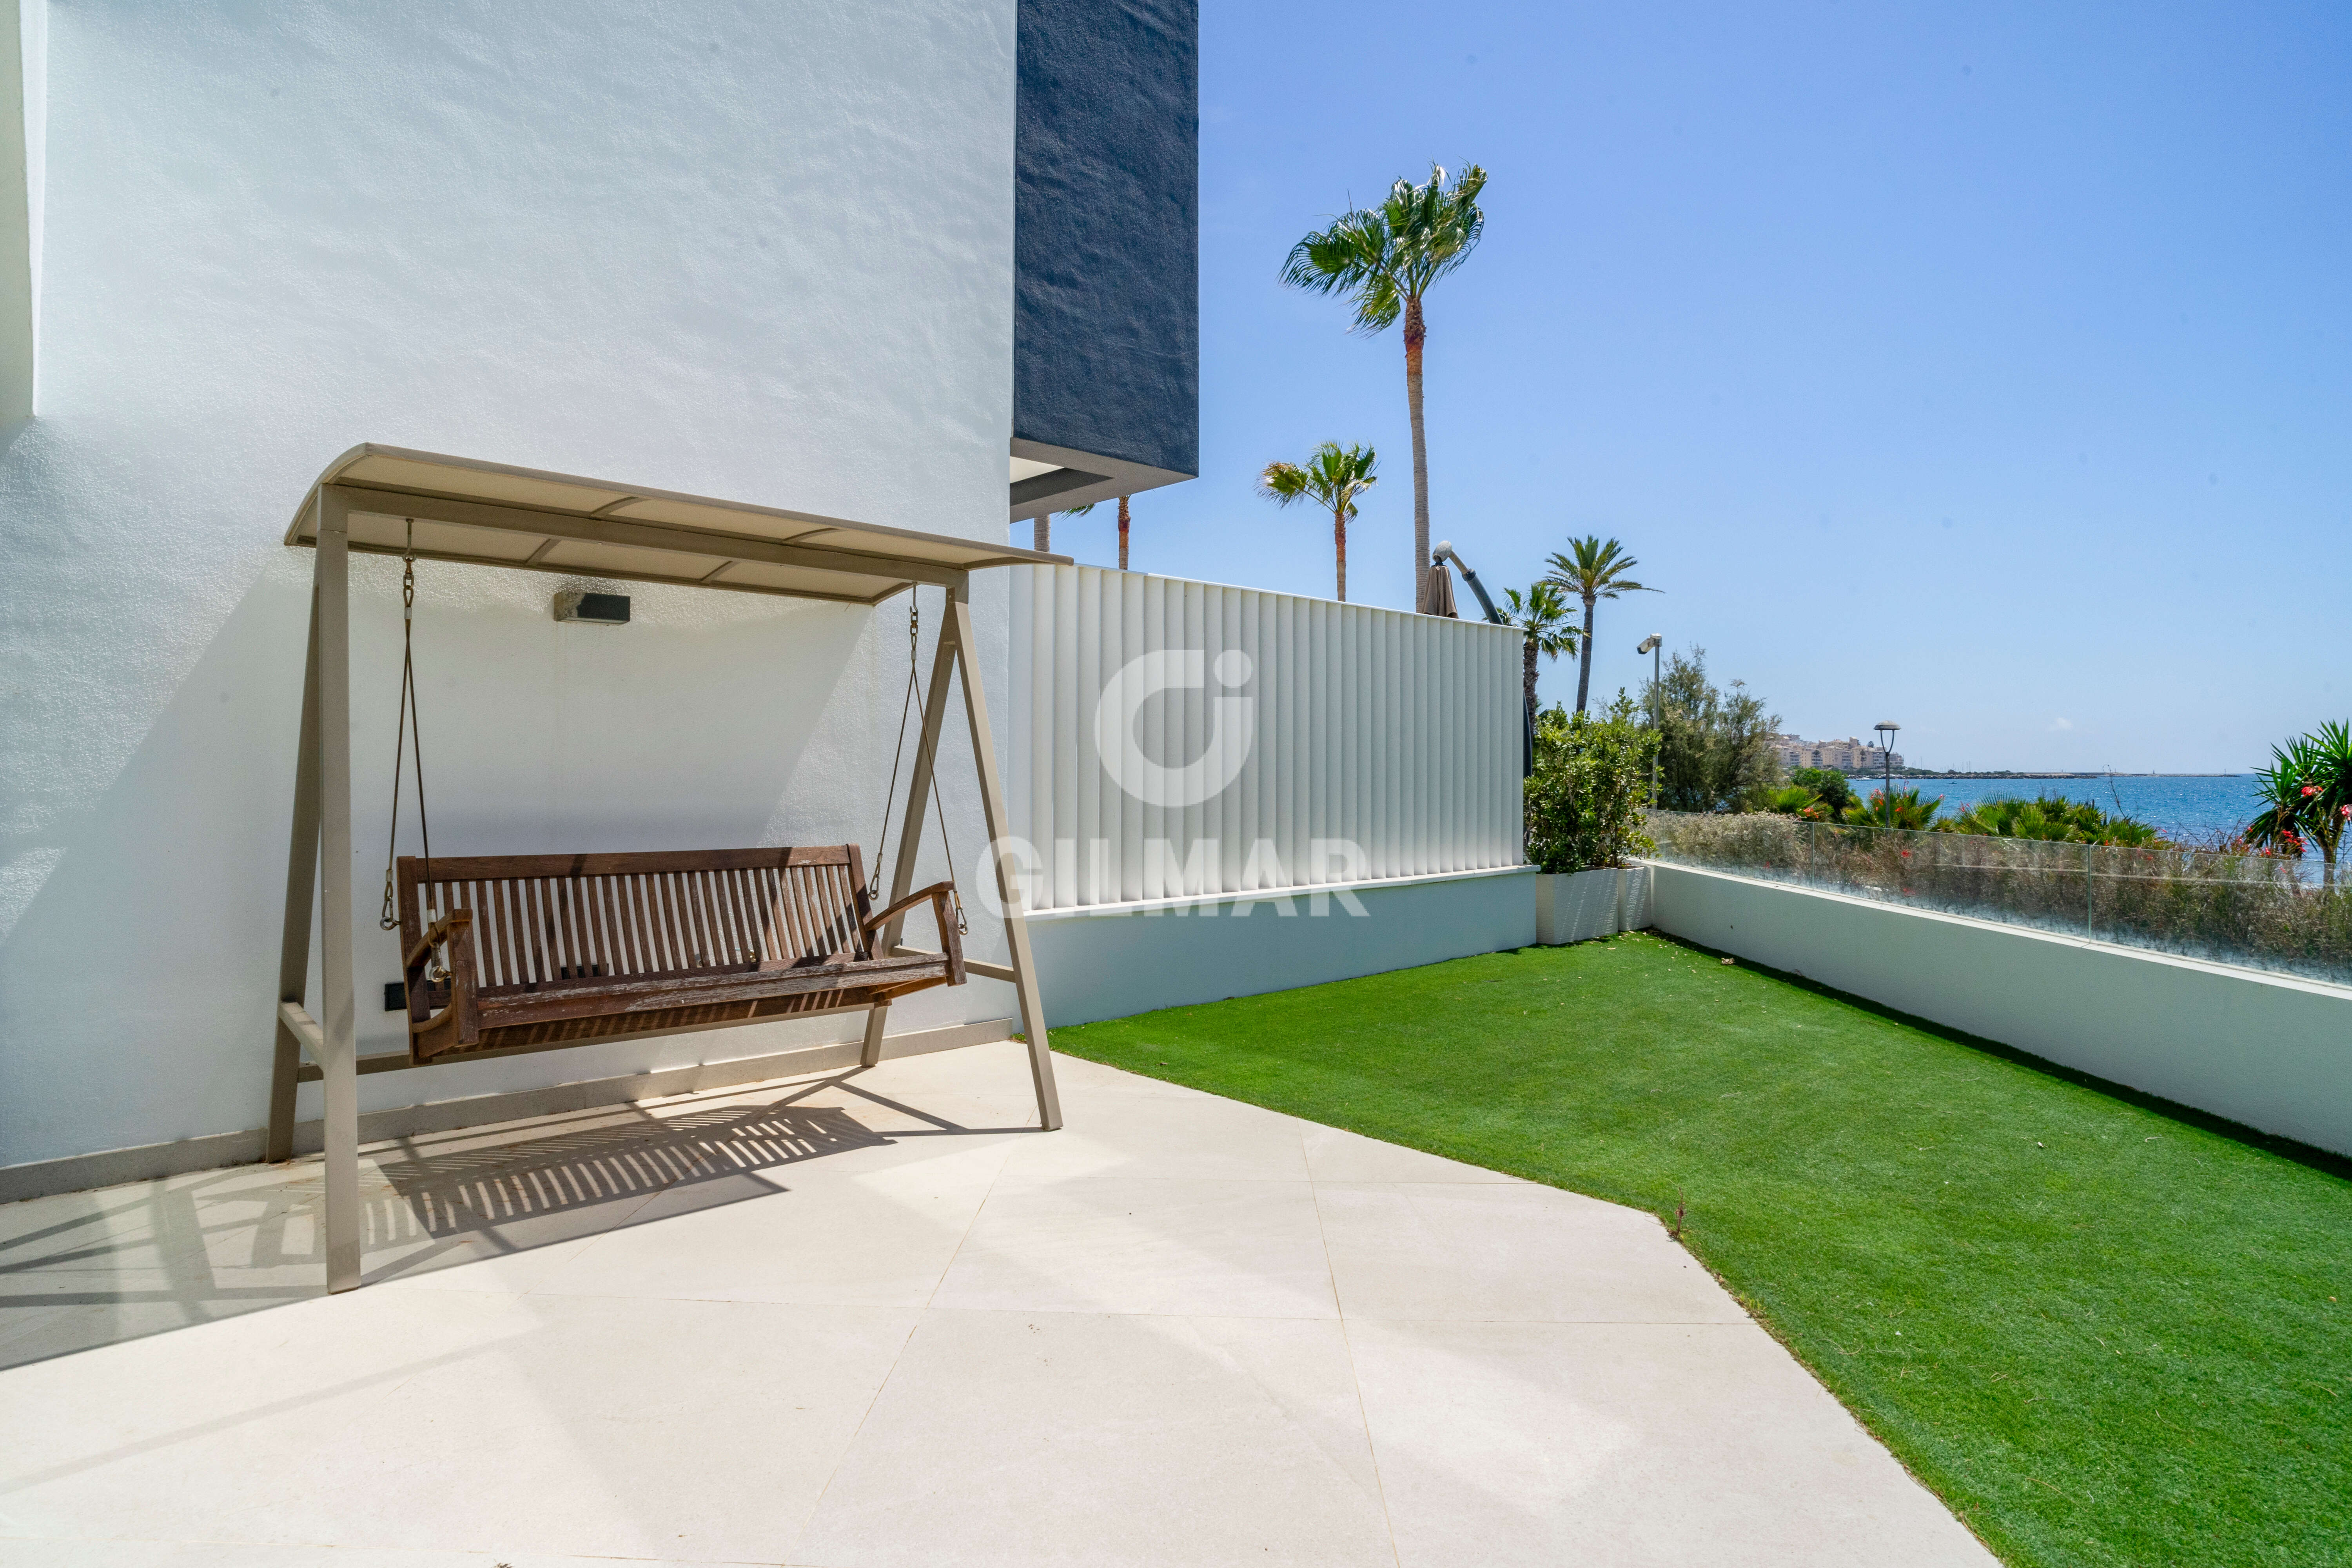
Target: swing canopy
(493,515)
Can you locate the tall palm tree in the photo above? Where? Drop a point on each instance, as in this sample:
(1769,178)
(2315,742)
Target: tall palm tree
(1544,616)
(1592,571)
(1385,258)
(1332,478)
(1122,533)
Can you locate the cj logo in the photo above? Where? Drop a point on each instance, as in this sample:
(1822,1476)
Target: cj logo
(1231,729)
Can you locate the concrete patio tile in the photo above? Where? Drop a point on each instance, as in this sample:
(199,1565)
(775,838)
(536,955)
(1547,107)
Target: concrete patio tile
(81,1554)
(654,1333)
(471,1263)
(881,1238)
(1633,1445)
(1333,1155)
(1076,1074)
(1110,1441)
(1138,1137)
(1164,1244)
(1508,1252)
(430,1420)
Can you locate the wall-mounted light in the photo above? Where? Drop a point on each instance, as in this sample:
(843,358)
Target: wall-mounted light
(593,609)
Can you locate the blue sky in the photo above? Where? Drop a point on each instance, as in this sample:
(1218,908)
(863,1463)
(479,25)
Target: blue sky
(1984,369)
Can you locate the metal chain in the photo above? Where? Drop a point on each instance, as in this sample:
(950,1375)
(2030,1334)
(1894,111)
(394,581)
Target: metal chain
(898,751)
(411,735)
(898,754)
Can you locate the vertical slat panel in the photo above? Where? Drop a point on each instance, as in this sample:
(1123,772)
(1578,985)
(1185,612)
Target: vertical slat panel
(1020,721)
(763,886)
(1086,679)
(646,923)
(1133,587)
(1398,732)
(1241,755)
(619,932)
(503,897)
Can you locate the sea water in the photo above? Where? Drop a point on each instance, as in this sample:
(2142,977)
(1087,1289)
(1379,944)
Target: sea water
(2188,808)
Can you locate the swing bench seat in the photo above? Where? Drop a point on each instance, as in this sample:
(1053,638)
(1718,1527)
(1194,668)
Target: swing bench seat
(546,950)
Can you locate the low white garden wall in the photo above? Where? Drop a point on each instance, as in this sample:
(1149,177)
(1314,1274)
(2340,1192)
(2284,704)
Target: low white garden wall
(2272,1051)
(1110,961)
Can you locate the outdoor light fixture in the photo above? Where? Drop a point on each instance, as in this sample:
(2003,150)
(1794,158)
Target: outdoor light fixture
(1651,645)
(595,609)
(1886,729)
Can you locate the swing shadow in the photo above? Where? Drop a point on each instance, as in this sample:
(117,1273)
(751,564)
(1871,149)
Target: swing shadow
(85,1270)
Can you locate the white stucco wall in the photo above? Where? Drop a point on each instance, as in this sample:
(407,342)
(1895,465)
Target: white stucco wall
(2272,1051)
(753,251)
(1112,960)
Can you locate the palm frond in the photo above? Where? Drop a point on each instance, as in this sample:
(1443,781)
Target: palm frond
(1383,255)
(1545,616)
(1594,569)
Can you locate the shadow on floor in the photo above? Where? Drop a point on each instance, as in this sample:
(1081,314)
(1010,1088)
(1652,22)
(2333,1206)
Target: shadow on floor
(84,1269)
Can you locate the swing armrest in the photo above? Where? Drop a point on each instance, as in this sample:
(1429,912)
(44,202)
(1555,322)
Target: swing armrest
(936,892)
(458,1024)
(950,942)
(443,930)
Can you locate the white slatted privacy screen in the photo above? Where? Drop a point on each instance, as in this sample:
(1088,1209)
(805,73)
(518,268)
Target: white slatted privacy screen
(1298,742)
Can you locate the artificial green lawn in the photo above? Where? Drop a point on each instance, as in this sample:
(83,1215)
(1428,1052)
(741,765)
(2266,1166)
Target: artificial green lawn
(2102,1334)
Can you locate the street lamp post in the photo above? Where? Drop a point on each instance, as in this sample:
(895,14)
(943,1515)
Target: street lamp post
(1651,645)
(1887,753)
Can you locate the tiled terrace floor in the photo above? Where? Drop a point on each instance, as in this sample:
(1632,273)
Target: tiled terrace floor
(875,1321)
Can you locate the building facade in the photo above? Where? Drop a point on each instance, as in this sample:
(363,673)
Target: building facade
(1849,755)
(889,262)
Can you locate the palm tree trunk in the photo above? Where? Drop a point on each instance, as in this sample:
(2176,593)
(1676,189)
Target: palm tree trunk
(1584,661)
(1339,544)
(1122,533)
(1527,656)
(1415,330)
(1040,533)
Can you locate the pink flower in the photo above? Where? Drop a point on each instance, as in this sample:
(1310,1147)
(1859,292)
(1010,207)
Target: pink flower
(2310,790)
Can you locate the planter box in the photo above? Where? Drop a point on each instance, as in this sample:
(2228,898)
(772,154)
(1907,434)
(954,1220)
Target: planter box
(1583,905)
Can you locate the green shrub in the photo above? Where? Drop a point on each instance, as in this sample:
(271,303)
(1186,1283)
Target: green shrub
(2052,818)
(1590,787)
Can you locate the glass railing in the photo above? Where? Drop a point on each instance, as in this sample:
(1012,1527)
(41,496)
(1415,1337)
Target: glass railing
(2250,910)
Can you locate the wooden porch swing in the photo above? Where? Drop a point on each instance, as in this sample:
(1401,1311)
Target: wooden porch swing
(504,954)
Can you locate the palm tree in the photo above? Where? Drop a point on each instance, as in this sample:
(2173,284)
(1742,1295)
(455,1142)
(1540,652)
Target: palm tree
(2306,796)
(1332,478)
(1543,616)
(1122,533)
(1593,572)
(1384,258)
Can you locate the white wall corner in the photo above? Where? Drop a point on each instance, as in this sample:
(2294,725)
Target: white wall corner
(24,121)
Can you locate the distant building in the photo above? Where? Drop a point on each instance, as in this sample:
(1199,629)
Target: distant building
(1849,755)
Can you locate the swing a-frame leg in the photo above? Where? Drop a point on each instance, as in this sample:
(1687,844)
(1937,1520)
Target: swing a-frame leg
(320,846)
(955,656)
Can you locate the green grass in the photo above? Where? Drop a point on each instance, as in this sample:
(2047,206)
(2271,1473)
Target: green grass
(2101,1334)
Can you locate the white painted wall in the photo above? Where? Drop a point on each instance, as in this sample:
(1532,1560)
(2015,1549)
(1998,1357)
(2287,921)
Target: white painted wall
(2272,1051)
(24,119)
(1356,743)
(734,249)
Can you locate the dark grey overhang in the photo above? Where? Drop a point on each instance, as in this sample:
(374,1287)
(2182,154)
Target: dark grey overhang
(1074,478)
(1107,307)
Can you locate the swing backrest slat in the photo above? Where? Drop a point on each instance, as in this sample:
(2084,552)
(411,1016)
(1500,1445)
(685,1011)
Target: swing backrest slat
(561,921)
